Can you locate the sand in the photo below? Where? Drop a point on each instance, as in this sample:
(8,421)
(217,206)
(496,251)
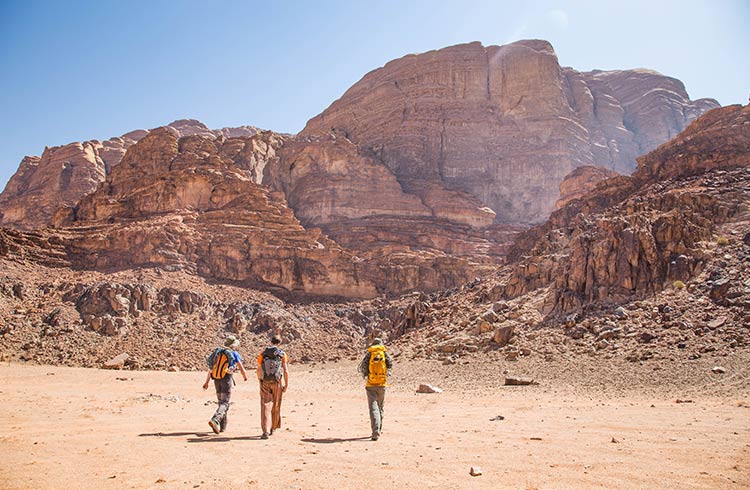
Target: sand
(87,428)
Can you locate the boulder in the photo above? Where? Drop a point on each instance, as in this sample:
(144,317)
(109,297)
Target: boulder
(428,388)
(117,362)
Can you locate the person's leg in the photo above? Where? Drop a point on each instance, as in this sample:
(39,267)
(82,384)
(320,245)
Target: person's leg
(381,407)
(276,411)
(266,406)
(374,410)
(223,395)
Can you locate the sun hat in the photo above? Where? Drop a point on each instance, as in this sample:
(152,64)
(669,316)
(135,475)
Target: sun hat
(232,342)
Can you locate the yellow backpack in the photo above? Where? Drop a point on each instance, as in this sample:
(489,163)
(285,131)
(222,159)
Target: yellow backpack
(377,369)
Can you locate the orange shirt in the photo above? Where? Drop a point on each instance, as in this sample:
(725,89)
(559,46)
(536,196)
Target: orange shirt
(284,359)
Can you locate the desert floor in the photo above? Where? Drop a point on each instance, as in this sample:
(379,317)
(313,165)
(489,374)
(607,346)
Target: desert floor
(85,428)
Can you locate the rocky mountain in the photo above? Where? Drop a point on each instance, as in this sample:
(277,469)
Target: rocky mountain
(649,269)
(634,236)
(64,174)
(505,124)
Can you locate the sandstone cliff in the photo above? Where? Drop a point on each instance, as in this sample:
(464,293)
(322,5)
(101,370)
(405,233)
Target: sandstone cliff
(633,236)
(580,182)
(505,124)
(64,174)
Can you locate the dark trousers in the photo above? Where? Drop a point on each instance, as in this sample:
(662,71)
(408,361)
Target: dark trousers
(375,404)
(223,394)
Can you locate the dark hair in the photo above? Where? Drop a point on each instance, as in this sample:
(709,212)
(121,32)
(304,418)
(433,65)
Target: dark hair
(275,339)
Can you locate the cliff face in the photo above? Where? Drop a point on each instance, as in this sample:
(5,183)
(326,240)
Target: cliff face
(633,236)
(505,124)
(64,174)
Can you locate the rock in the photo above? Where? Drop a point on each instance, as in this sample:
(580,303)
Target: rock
(519,381)
(490,316)
(719,290)
(503,335)
(512,356)
(117,362)
(428,388)
(428,127)
(646,337)
(475,471)
(173,369)
(496,418)
(718,370)
(615,441)
(525,351)
(580,181)
(716,323)
(621,313)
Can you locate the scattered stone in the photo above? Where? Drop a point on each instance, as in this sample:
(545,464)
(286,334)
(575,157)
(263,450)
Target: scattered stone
(716,323)
(116,362)
(503,334)
(646,337)
(535,438)
(428,388)
(174,369)
(621,313)
(718,370)
(719,290)
(519,381)
(475,471)
(496,418)
(512,356)
(683,401)
(615,441)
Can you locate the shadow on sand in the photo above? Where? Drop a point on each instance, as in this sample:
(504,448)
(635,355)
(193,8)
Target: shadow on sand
(175,434)
(224,439)
(332,440)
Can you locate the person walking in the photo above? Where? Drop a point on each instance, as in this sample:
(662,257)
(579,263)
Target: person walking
(222,363)
(374,367)
(274,381)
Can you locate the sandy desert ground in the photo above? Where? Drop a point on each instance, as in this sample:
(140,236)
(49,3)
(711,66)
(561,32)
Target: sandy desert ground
(85,428)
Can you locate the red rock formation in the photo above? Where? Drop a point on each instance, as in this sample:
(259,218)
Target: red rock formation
(632,235)
(580,182)
(64,174)
(505,124)
(182,204)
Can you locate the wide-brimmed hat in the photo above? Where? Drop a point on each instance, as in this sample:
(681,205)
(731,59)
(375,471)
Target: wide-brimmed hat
(232,342)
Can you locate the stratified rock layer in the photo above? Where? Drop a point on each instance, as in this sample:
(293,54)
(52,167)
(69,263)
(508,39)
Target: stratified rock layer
(505,124)
(580,182)
(632,236)
(64,174)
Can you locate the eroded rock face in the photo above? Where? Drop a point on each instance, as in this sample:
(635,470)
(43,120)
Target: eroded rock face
(505,124)
(64,174)
(184,204)
(631,236)
(580,182)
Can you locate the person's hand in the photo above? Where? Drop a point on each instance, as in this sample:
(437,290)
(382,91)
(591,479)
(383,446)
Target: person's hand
(205,385)
(245,377)
(283,388)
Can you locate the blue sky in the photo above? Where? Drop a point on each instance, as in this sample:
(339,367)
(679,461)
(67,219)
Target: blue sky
(72,71)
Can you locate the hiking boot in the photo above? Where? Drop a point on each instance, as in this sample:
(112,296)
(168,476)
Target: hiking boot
(375,437)
(270,433)
(264,435)
(214,426)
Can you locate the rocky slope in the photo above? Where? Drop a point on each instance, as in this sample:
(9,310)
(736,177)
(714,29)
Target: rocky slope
(650,269)
(64,174)
(505,124)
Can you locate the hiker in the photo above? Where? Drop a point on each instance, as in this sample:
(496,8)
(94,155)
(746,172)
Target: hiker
(222,362)
(374,367)
(272,370)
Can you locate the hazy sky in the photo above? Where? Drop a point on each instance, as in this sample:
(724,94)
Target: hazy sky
(78,70)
